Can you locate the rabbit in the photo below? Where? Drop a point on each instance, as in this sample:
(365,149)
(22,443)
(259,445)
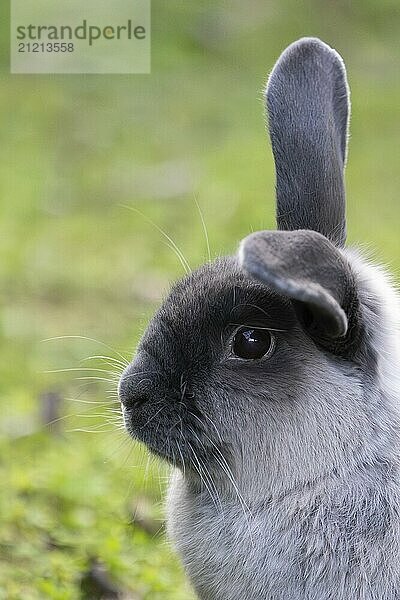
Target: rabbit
(269,380)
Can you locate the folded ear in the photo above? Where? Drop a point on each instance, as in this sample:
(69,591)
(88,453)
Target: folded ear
(308,111)
(307,268)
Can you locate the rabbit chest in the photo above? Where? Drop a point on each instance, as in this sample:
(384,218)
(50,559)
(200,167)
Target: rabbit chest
(304,547)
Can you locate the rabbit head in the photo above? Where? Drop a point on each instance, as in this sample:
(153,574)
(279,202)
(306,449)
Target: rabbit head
(255,373)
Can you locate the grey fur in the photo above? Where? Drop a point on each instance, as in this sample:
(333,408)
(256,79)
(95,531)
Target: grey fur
(286,482)
(308,111)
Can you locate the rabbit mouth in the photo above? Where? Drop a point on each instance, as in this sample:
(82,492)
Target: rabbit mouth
(174,440)
(143,426)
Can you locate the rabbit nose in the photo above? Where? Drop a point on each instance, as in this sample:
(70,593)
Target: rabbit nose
(130,402)
(134,388)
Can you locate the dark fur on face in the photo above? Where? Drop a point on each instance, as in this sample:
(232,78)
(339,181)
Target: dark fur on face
(184,360)
(187,397)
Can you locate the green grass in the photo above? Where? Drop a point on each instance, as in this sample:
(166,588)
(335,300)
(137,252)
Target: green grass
(76,150)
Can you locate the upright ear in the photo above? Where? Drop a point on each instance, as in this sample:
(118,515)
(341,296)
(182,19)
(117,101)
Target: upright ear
(307,268)
(308,112)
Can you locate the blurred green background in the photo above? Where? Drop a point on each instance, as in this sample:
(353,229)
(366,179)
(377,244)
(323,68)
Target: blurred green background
(78,501)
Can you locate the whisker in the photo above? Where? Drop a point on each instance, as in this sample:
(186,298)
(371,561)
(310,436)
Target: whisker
(82,430)
(204,229)
(212,482)
(83,337)
(106,359)
(204,480)
(124,442)
(129,375)
(227,470)
(67,370)
(179,449)
(167,237)
(98,403)
(179,257)
(211,422)
(155,415)
(90,378)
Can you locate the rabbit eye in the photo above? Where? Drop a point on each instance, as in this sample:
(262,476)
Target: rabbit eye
(252,343)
